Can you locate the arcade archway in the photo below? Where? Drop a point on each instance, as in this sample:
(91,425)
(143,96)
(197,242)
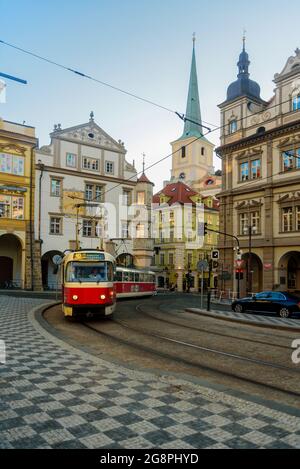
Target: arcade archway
(11,268)
(289,271)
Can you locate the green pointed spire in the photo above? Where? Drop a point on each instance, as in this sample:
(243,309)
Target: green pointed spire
(193,112)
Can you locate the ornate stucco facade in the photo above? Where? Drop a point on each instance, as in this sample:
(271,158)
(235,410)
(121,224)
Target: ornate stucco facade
(260,199)
(19,252)
(87,196)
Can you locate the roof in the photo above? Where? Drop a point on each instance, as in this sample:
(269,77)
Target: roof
(178,193)
(144,179)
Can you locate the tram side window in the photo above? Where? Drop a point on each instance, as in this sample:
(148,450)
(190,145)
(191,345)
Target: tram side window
(137,277)
(119,276)
(142,277)
(125,276)
(131,276)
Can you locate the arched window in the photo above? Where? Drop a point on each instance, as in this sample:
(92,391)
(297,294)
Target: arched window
(233,126)
(296,102)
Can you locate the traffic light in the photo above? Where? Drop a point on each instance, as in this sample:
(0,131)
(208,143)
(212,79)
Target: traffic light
(205,229)
(239,274)
(215,264)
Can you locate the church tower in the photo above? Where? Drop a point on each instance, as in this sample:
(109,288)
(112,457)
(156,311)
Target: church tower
(192,162)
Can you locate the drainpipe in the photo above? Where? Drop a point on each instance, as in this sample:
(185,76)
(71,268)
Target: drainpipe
(41,167)
(31,227)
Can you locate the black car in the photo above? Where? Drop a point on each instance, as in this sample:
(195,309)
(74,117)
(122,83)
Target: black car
(282,303)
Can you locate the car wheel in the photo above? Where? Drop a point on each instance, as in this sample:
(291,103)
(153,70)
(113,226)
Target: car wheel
(238,308)
(284,313)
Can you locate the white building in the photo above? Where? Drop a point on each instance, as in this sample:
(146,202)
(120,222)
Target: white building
(84,190)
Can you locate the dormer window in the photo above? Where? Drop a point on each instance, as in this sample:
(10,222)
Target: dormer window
(233,126)
(296,102)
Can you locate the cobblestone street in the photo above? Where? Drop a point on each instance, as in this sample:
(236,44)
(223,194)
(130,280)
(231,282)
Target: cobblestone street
(55,396)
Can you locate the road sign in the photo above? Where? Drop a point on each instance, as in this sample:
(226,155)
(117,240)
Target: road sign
(57,260)
(215,254)
(239,264)
(203,266)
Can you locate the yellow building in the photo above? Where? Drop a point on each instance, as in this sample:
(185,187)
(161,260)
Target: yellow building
(19,254)
(179,242)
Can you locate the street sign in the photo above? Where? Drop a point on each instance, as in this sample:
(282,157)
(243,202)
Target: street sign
(215,254)
(203,266)
(239,264)
(57,260)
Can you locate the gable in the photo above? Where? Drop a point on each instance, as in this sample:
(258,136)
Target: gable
(291,68)
(89,134)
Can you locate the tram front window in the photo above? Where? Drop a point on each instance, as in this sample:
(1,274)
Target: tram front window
(89,273)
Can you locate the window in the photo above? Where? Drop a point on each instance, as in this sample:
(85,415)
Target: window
(256,169)
(296,102)
(71,160)
(140,231)
(56,187)
(298,218)
(291,159)
(55,225)
(141,198)
(287,219)
(254,219)
(202,151)
(90,272)
(94,192)
(171,236)
(125,230)
(109,167)
(162,259)
(91,164)
(127,200)
(11,207)
(12,164)
(190,259)
(233,126)
(87,228)
(183,152)
(99,231)
(171,259)
(244,172)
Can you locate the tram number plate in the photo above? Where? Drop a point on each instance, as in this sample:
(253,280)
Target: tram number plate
(135,288)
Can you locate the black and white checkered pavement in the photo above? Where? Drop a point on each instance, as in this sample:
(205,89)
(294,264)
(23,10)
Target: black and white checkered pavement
(55,396)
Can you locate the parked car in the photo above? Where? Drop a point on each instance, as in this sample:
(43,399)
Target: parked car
(282,303)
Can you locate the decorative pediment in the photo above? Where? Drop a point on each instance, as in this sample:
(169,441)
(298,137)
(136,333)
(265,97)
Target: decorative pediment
(289,198)
(292,140)
(292,67)
(249,153)
(249,205)
(89,134)
(12,147)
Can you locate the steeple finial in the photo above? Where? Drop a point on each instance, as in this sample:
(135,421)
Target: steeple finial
(144,156)
(92,116)
(194,39)
(244,39)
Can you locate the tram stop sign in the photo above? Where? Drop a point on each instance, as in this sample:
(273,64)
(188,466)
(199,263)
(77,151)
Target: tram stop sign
(57,260)
(203,266)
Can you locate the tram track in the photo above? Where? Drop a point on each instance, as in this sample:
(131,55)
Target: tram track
(208,331)
(245,377)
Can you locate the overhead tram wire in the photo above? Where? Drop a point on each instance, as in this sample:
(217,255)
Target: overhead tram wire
(96,80)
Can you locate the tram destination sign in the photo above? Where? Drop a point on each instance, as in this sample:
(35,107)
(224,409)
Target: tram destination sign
(89,256)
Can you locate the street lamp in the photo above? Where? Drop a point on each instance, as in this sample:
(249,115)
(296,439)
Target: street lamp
(250,230)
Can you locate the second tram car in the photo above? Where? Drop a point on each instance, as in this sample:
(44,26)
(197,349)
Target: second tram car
(134,283)
(88,286)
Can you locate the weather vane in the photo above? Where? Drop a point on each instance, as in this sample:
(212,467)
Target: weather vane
(194,38)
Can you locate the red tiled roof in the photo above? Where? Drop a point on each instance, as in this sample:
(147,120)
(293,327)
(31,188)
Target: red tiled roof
(178,193)
(144,178)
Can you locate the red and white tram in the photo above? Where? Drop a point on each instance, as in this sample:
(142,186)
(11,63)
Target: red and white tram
(134,283)
(88,286)
(91,283)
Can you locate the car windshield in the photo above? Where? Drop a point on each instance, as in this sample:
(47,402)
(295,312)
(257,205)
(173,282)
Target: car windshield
(89,272)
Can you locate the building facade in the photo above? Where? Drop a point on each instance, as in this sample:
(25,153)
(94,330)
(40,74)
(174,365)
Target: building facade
(260,199)
(179,242)
(86,195)
(19,252)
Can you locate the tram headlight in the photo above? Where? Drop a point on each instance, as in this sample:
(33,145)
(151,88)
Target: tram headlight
(75,297)
(102,297)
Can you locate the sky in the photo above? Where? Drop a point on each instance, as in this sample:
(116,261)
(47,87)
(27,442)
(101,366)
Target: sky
(144,47)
